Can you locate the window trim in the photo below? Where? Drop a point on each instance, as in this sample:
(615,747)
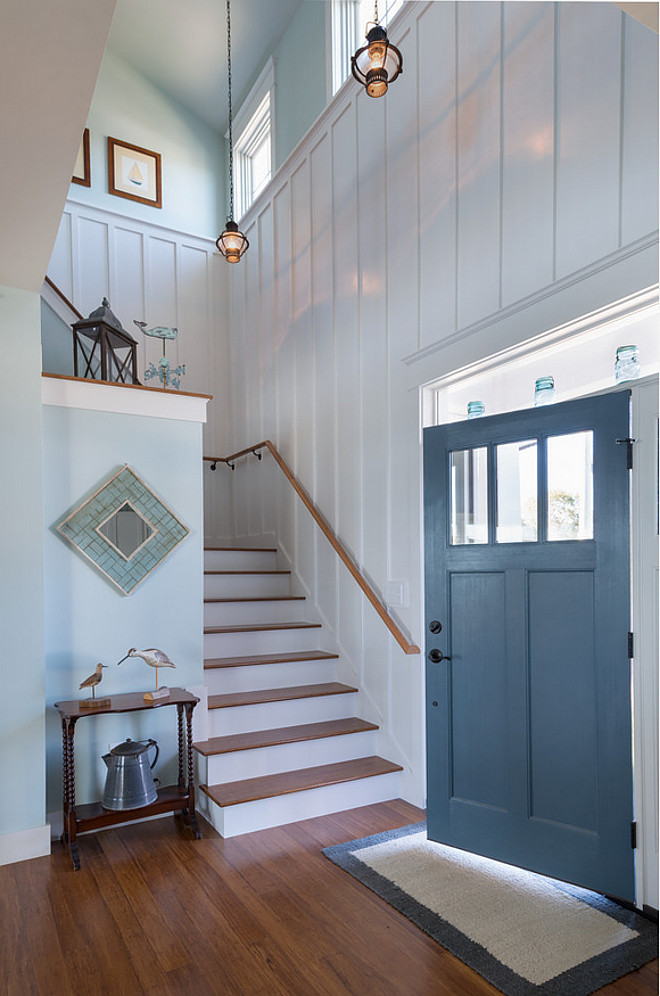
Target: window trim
(262,88)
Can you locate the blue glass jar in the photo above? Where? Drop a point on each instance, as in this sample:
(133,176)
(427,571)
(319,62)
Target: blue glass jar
(626,365)
(544,391)
(476,409)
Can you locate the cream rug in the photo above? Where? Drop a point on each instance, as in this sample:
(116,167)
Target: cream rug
(524,933)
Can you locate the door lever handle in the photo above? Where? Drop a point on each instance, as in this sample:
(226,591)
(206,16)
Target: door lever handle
(437,655)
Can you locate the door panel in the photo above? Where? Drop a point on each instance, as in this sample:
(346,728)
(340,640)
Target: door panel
(479,764)
(528,688)
(562,706)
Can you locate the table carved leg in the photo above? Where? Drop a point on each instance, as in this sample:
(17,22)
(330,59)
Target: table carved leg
(191,772)
(69,791)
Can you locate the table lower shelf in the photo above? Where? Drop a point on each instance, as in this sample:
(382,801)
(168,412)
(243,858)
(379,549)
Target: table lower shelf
(93,816)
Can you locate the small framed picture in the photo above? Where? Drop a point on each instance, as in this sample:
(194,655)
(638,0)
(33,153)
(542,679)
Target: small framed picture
(81,171)
(134,173)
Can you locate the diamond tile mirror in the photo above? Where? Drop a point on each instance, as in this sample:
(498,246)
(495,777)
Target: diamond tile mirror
(124,530)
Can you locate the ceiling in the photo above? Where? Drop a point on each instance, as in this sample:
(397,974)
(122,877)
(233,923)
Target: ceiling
(182,48)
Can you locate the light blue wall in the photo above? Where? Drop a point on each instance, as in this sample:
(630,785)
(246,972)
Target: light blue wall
(22,771)
(300,77)
(87,620)
(56,343)
(127,106)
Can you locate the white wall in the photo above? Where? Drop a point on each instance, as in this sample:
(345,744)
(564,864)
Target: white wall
(163,277)
(506,184)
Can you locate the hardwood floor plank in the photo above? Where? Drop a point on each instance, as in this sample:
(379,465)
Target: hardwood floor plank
(155,912)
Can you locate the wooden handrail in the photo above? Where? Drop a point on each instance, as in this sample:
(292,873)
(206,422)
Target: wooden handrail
(330,535)
(63,297)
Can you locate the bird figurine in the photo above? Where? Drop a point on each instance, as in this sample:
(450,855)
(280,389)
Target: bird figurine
(158,331)
(152,657)
(94,679)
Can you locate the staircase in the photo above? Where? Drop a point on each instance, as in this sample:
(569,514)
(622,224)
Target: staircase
(284,742)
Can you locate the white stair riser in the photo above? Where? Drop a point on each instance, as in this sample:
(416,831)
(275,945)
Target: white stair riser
(223,680)
(270,641)
(242,764)
(240,560)
(246,585)
(226,613)
(273,715)
(231,821)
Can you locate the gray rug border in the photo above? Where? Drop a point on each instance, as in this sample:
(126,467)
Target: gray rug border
(585,978)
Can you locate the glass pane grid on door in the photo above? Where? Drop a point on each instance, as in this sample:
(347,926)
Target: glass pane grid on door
(559,467)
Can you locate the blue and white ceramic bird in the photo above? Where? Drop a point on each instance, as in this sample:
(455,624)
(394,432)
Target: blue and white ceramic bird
(152,657)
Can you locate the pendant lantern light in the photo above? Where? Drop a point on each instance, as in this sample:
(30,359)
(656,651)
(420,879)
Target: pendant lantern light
(379,62)
(232,243)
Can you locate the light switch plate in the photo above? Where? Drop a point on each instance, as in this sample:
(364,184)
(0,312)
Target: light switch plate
(396,594)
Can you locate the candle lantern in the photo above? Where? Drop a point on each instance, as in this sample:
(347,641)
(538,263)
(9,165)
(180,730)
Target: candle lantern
(103,349)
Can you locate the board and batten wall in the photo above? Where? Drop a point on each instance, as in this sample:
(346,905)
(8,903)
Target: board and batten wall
(507,183)
(163,277)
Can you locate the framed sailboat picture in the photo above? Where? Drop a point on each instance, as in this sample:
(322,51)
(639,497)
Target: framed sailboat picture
(134,173)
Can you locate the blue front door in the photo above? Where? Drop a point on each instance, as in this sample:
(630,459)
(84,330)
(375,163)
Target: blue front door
(527,619)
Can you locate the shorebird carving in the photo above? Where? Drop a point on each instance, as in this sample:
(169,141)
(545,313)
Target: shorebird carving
(152,657)
(94,679)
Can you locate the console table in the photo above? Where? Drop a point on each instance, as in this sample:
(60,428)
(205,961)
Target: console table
(172,798)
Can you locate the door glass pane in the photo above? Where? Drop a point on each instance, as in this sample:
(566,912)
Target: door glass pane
(516,492)
(571,487)
(469,496)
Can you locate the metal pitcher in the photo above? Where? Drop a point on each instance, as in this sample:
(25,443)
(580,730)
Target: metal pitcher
(129,783)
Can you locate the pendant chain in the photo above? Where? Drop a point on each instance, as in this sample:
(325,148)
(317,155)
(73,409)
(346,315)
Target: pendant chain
(231,143)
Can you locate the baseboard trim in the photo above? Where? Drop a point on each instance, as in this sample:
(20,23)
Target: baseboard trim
(22,845)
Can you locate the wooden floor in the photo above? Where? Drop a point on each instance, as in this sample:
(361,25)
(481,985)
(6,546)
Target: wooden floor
(265,914)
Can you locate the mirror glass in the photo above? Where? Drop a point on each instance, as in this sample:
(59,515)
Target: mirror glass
(127,531)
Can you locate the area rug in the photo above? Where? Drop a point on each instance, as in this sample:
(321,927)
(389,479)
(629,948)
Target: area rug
(524,933)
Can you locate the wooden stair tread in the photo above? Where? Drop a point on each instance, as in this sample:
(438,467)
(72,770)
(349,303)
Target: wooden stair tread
(261,627)
(284,735)
(243,549)
(251,789)
(254,571)
(258,598)
(231,699)
(303,655)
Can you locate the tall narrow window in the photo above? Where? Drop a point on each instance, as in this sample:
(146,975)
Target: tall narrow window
(344,39)
(349,21)
(253,142)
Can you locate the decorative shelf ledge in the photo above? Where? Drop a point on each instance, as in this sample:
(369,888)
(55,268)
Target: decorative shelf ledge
(122,399)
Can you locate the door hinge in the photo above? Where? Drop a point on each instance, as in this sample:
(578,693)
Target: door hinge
(629,451)
(631,646)
(633,835)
